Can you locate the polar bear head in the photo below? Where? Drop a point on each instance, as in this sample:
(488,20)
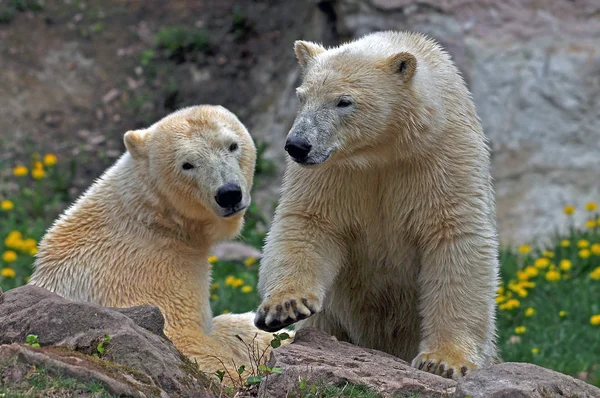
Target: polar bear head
(199,159)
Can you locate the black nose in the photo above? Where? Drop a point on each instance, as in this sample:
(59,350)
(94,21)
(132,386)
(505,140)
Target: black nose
(298,148)
(229,195)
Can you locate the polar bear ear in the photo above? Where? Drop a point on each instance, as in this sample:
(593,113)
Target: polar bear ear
(404,64)
(306,51)
(135,142)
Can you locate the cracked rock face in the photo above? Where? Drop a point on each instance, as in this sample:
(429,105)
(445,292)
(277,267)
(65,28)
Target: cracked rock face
(317,358)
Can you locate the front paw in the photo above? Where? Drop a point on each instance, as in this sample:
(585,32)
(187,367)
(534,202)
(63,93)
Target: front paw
(279,311)
(451,366)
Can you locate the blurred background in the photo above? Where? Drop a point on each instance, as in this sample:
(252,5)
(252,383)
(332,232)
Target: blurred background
(75,75)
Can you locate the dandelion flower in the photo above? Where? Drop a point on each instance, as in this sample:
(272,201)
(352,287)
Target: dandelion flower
(7,205)
(591,206)
(524,249)
(37,165)
(225,312)
(548,254)
(562,314)
(246,289)
(595,274)
(212,259)
(565,243)
(33,251)
(595,249)
(50,159)
(565,265)
(590,224)
(237,283)
(582,244)
(500,290)
(38,174)
(535,350)
(595,320)
(9,256)
(510,304)
(585,253)
(552,276)
(250,261)
(530,311)
(520,329)
(500,299)
(20,171)
(542,262)
(568,209)
(531,271)
(8,272)
(214,297)
(230,280)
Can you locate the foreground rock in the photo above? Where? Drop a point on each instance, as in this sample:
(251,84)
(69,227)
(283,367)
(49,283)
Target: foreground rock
(145,361)
(317,359)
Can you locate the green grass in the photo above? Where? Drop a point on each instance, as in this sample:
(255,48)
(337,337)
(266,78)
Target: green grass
(178,41)
(569,344)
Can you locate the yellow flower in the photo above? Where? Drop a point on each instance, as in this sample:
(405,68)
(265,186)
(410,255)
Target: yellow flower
(524,249)
(246,289)
(527,284)
(33,251)
(9,256)
(585,253)
(20,171)
(530,311)
(37,165)
(552,276)
(562,314)
(591,206)
(582,244)
(50,159)
(542,262)
(8,272)
(230,280)
(595,249)
(237,283)
(214,297)
(595,274)
(249,261)
(28,244)
(212,259)
(569,210)
(522,275)
(595,320)
(38,174)
(7,205)
(565,243)
(520,329)
(510,304)
(225,312)
(565,265)
(535,350)
(500,299)
(548,254)
(590,224)
(500,290)
(531,271)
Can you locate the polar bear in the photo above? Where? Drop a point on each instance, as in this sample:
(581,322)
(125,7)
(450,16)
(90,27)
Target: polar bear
(385,233)
(142,233)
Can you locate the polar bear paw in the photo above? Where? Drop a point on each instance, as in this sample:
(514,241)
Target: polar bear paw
(277,312)
(451,366)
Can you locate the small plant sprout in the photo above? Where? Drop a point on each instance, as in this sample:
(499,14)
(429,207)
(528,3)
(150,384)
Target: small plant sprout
(32,340)
(101,348)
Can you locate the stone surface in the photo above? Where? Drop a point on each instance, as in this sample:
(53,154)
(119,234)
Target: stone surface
(534,71)
(318,359)
(235,251)
(82,326)
(523,380)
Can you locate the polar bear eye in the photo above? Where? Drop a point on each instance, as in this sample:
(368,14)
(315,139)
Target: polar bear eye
(187,166)
(233,147)
(344,103)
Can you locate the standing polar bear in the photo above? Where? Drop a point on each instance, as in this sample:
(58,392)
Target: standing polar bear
(142,232)
(385,233)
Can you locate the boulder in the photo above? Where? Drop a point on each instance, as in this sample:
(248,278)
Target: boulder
(137,346)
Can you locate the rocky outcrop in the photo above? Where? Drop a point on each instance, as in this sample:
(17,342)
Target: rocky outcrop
(137,358)
(314,358)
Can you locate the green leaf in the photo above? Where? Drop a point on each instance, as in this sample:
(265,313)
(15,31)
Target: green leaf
(241,369)
(252,380)
(276,370)
(265,368)
(100,348)
(35,345)
(302,385)
(283,336)
(275,343)
(32,338)
(220,374)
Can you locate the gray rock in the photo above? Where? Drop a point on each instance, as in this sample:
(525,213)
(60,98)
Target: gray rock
(522,380)
(82,326)
(235,251)
(319,358)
